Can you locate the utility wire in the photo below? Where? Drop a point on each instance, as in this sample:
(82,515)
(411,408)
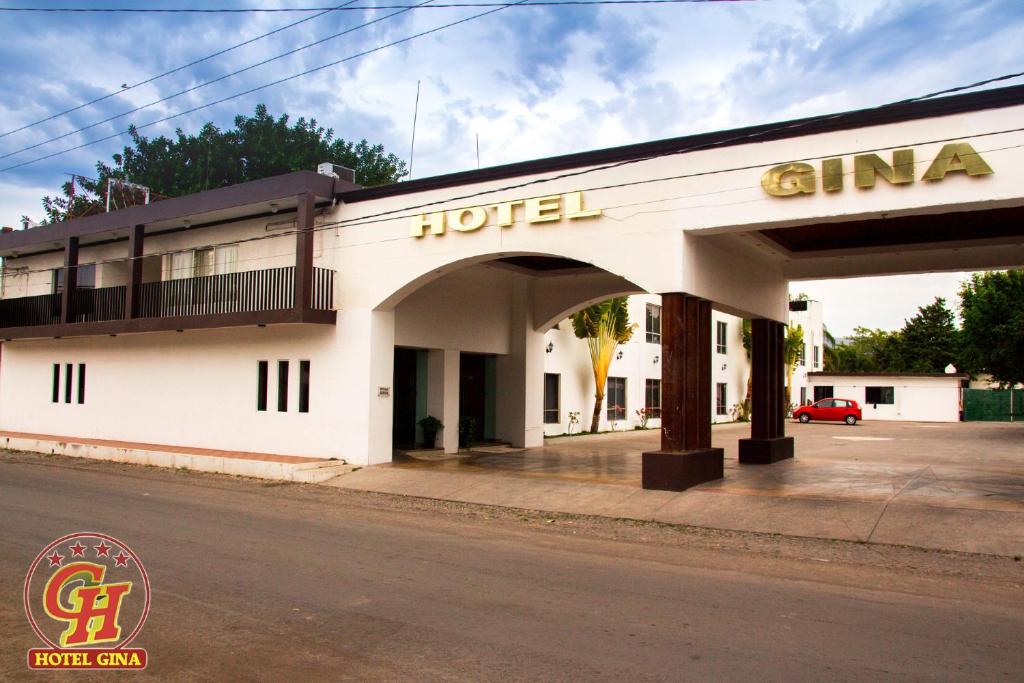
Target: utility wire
(165,73)
(249,10)
(368,220)
(735,139)
(258,88)
(212,81)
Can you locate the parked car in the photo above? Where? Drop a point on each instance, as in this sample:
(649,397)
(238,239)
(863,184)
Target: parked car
(829,409)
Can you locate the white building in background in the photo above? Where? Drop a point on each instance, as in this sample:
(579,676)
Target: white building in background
(918,397)
(634,379)
(808,315)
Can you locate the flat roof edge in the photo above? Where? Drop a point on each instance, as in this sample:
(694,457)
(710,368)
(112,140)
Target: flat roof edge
(232,196)
(996,98)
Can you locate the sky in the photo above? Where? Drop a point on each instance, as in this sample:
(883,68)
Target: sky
(530,81)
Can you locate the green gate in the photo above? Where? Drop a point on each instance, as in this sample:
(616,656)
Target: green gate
(993,405)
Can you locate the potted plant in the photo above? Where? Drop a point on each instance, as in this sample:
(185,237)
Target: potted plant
(467,429)
(430,426)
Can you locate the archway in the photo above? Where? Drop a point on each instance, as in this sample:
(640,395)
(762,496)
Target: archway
(469,344)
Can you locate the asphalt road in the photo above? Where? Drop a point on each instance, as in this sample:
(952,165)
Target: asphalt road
(280,582)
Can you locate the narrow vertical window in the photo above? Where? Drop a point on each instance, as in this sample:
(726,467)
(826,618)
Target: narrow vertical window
(722,399)
(81,383)
(653,324)
(282,386)
(721,336)
(551,398)
(67,382)
(303,386)
(56,382)
(652,397)
(263,368)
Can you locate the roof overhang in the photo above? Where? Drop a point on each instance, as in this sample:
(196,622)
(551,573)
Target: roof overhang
(255,198)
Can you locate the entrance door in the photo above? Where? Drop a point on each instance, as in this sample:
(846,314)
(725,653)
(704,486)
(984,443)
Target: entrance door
(404,399)
(473,392)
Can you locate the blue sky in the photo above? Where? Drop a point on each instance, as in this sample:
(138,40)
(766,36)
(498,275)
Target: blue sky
(531,82)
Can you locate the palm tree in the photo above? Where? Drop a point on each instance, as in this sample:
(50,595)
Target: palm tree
(792,348)
(747,336)
(604,326)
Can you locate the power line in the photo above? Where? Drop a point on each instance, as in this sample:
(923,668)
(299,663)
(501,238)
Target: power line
(368,220)
(702,146)
(251,10)
(211,81)
(165,73)
(259,87)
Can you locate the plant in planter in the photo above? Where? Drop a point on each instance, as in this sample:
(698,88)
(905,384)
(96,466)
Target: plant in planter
(574,420)
(430,426)
(467,429)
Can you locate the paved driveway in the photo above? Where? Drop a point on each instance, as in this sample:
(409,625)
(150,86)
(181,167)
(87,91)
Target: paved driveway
(951,486)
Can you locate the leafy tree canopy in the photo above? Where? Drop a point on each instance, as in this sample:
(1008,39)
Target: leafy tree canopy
(992,309)
(259,146)
(929,341)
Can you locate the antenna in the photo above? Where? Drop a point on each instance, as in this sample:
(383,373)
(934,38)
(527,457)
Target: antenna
(478,151)
(415,115)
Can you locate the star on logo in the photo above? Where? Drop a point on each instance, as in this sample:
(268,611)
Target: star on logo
(102,550)
(77,549)
(55,559)
(120,560)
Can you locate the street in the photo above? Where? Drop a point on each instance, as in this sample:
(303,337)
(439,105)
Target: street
(266,581)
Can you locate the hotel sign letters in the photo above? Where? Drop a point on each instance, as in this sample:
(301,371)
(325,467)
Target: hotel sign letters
(787,180)
(504,214)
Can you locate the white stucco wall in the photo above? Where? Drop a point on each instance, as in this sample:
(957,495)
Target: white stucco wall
(641,360)
(916,398)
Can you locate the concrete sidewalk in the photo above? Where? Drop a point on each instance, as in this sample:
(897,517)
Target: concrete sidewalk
(241,463)
(940,504)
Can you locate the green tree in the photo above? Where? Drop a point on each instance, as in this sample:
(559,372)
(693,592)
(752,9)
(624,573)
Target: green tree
(604,326)
(992,310)
(259,146)
(868,350)
(929,341)
(831,356)
(791,348)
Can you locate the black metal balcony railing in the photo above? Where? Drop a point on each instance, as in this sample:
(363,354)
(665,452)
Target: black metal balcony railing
(92,305)
(271,289)
(43,309)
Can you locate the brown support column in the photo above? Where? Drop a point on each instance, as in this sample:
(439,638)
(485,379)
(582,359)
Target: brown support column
(304,252)
(67,299)
(131,293)
(686,457)
(768,442)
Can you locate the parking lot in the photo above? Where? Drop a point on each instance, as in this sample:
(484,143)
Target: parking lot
(953,486)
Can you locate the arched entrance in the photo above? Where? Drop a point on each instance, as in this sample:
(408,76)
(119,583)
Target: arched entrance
(469,345)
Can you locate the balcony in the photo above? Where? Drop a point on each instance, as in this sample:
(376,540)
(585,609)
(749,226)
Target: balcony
(255,297)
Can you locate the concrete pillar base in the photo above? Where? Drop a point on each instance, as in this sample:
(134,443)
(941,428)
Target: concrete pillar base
(679,470)
(765,451)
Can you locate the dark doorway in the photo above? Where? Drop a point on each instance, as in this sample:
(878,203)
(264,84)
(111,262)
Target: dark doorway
(404,399)
(473,395)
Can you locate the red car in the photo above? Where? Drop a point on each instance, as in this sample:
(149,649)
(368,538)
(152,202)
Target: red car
(829,409)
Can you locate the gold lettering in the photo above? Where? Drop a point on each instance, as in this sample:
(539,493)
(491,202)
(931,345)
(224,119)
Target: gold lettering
(957,156)
(574,207)
(789,179)
(434,221)
(457,219)
(542,209)
(867,166)
(505,217)
(832,175)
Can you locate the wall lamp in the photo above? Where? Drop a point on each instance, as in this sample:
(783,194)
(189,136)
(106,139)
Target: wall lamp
(656,359)
(550,347)
(618,356)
